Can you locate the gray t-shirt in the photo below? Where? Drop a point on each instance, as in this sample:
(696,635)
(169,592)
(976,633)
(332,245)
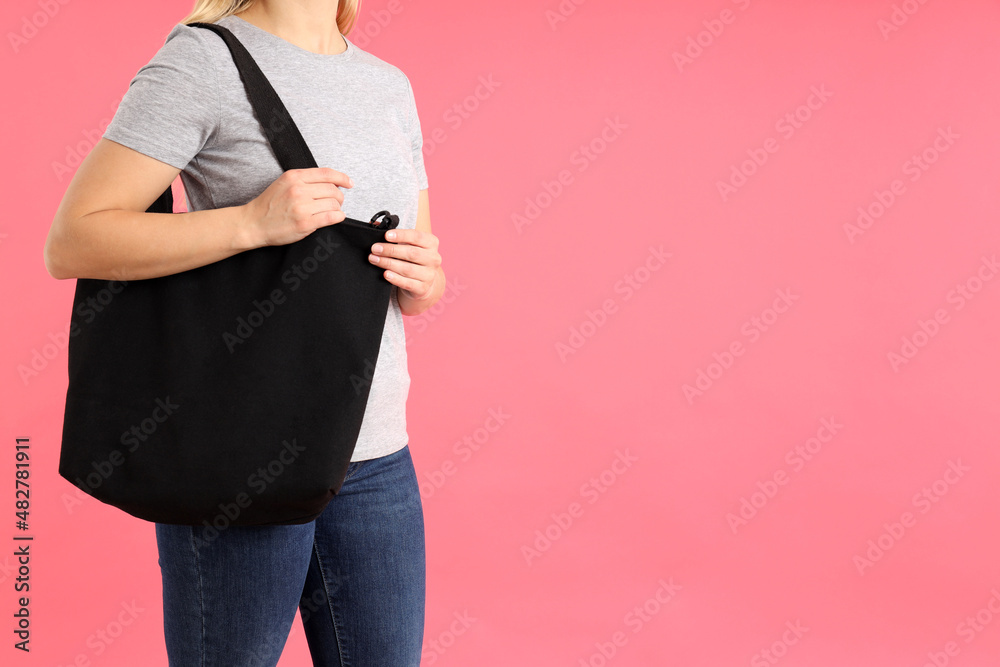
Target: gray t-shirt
(188,107)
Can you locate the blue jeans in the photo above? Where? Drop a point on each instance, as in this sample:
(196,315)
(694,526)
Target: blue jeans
(356,574)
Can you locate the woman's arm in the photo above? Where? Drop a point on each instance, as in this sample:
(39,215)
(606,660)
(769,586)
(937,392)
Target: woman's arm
(101,228)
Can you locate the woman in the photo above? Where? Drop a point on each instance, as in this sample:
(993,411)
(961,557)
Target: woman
(357,573)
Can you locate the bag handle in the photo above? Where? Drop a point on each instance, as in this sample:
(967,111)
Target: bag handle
(281,131)
(279,128)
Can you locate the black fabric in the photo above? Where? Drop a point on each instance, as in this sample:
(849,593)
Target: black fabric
(233,393)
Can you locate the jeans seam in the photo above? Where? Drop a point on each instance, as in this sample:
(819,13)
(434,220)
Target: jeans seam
(201,596)
(356,468)
(329,604)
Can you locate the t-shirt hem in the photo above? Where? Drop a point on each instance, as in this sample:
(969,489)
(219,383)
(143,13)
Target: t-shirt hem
(142,144)
(379,453)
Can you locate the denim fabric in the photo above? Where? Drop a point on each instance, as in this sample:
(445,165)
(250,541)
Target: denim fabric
(356,573)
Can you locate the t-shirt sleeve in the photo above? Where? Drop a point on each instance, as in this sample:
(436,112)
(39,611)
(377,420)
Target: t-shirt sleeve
(416,139)
(171,109)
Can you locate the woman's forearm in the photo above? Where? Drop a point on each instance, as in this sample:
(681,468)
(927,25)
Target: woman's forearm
(132,245)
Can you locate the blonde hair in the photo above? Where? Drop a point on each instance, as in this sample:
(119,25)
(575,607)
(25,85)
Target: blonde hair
(210,11)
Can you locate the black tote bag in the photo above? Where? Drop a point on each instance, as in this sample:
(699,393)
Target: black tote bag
(232,393)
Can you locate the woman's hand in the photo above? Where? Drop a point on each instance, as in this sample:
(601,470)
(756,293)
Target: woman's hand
(296,204)
(411,262)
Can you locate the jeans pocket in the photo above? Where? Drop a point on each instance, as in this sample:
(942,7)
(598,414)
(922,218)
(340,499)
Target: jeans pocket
(352,468)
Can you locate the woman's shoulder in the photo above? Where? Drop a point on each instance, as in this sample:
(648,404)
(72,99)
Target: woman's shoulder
(191,36)
(377,66)
(190,47)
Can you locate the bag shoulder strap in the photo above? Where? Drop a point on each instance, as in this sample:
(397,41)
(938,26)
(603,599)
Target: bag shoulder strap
(279,128)
(282,133)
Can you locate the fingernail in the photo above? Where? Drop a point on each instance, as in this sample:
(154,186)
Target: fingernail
(391,234)
(351,181)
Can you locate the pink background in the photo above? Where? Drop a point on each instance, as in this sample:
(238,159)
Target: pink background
(517,294)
